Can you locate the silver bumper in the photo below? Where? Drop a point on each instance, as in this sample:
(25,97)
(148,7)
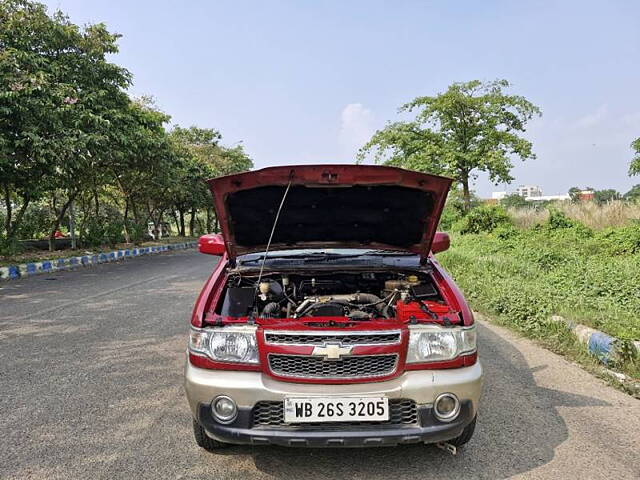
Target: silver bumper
(247,388)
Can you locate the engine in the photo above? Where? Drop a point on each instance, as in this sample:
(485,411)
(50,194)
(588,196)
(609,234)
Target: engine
(358,296)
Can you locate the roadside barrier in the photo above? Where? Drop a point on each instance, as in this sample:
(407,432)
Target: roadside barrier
(14,272)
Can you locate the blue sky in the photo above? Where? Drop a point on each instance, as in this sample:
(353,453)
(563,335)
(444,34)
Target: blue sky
(307,82)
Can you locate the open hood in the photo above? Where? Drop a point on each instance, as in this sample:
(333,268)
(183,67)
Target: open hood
(329,206)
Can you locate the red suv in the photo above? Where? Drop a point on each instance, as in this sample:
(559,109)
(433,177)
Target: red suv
(328,322)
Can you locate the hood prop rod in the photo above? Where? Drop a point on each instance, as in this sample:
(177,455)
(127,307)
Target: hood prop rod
(266,252)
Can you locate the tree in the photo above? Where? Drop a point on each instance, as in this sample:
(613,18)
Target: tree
(58,95)
(574,193)
(514,201)
(471,127)
(634,168)
(202,157)
(633,194)
(608,195)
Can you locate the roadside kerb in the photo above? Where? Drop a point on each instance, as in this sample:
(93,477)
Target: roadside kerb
(14,272)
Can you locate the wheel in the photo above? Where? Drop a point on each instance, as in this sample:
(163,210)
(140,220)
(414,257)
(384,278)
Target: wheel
(205,441)
(466,434)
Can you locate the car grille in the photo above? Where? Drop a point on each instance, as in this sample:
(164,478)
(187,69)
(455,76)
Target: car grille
(355,366)
(271,414)
(366,338)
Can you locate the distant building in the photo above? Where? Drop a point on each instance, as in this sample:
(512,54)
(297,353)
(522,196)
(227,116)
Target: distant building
(498,195)
(548,198)
(586,195)
(529,191)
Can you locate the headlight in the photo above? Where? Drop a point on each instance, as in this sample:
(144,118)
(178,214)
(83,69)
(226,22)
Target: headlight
(432,343)
(225,344)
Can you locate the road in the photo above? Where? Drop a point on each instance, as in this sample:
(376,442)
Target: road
(91,387)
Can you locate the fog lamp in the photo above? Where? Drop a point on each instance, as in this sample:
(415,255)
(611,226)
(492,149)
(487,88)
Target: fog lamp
(224,409)
(446,407)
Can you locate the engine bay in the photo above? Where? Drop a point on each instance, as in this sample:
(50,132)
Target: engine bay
(356,296)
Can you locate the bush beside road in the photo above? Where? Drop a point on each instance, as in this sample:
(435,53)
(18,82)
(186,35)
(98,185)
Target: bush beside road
(523,277)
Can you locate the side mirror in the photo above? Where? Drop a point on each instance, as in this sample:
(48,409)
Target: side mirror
(211,244)
(441,242)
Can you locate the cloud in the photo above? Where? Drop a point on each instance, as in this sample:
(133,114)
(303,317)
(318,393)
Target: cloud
(356,127)
(592,119)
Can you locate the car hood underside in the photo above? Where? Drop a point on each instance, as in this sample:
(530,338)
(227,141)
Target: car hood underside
(324,206)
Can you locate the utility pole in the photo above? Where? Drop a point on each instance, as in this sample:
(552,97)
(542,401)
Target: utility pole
(72,226)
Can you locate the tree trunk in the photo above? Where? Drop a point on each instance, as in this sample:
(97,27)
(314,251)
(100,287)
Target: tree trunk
(59,217)
(158,224)
(208,227)
(192,222)
(182,229)
(11,225)
(466,194)
(97,202)
(136,214)
(127,239)
(7,201)
(18,220)
(175,218)
(217,225)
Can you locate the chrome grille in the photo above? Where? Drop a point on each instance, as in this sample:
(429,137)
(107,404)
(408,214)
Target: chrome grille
(355,338)
(354,366)
(271,414)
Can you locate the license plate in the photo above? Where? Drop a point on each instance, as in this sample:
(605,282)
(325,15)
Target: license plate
(335,409)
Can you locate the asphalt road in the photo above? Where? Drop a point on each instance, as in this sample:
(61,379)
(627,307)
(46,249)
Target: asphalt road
(91,387)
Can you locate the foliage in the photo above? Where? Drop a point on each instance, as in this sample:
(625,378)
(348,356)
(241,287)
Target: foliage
(633,195)
(634,167)
(473,126)
(71,136)
(608,195)
(514,201)
(483,219)
(58,96)
(527,276)
(454,208)
(574,193)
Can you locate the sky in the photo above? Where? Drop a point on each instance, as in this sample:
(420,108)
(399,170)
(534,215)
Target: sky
(311,81)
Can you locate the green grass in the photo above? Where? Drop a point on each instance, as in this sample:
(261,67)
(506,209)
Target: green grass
(522,277)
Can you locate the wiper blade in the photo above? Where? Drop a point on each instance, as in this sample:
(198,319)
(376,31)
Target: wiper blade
(295,255)
(326,256)
(393,253)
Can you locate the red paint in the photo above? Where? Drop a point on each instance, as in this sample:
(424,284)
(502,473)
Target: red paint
(462,361)
(211,244)
(455,306)
(204,362)
(412,311)
(329,176)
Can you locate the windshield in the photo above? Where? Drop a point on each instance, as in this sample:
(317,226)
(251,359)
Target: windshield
(321,254)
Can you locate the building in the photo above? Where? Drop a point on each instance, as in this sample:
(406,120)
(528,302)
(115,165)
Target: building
(498,195)
(586,195)
(528,191)
(548,198)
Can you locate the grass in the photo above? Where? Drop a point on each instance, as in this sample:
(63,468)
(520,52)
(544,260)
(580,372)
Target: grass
(616,213)
(522,277)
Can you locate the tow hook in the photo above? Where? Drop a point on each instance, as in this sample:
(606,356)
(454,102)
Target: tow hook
(447,447)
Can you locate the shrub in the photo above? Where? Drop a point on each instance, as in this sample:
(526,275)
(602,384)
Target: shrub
(36,222)
(620,241)
(558,220)
(483,219)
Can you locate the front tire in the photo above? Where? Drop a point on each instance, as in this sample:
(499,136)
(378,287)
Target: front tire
(466,434)
(205,441)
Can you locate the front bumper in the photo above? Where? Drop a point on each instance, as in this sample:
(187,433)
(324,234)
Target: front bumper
(247,388)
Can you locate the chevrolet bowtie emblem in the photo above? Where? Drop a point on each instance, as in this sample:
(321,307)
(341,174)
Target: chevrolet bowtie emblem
(332,352)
